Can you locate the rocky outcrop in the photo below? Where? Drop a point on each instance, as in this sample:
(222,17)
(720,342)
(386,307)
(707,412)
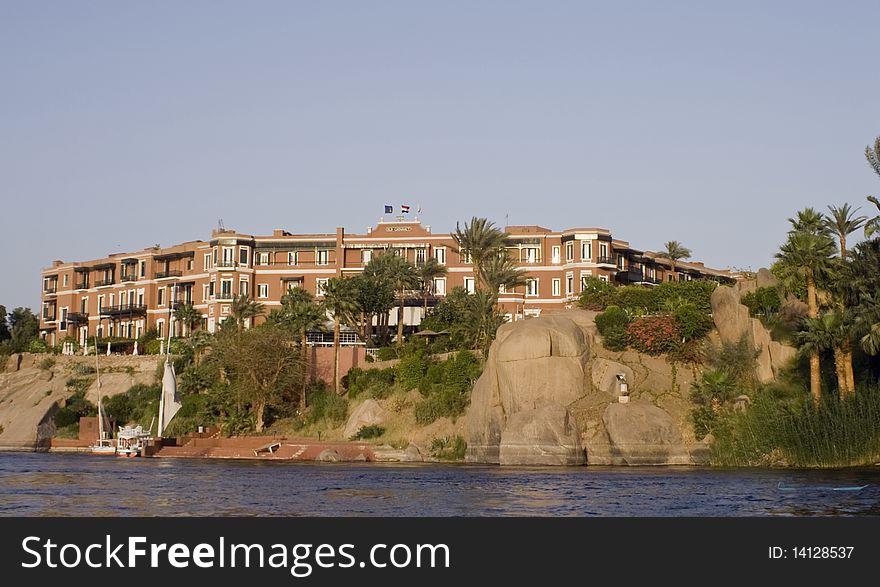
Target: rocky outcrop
(733,322)
(542,436)
(369,413)
(535,369)
(545,399)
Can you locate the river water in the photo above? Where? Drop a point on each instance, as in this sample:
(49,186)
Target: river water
(86,485)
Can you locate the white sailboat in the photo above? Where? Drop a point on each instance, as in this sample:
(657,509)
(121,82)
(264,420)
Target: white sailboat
(105,444)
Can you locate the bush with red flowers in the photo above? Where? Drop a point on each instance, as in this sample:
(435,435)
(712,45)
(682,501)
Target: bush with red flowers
(653,335)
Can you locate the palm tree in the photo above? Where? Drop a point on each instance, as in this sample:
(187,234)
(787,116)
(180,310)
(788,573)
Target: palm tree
(807,255)
(402,275)
(501,271)
(829,332)
(484,320)
(337,302)
(809,220)
(243,309)
(428,272)
(873,156)
(300,314)
(873,225)
(187,315)
(675,251)
(479,240)
(199,341)
(842,222)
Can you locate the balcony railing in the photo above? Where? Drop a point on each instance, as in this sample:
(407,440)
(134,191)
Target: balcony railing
(77,317)
(226,263)
(50,290)
(225,295)
(48,317)
(605,261)
(170,273)
(82,285)
(104,282)
(127,277)
(123,309)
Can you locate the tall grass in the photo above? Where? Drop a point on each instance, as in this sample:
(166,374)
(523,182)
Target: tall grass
(780,430)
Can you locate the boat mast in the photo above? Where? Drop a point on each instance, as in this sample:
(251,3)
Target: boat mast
(98,375)
(162,422)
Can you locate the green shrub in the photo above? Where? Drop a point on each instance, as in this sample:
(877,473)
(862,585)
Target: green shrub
(47,363)
(653,335)
(637,300)
(410,370)
(692,324)
(83,369)
(137,405)
(441,402)
(612,324)
(367,432)
(387,353)
(696,292)
(449,449)
(737,359)
(596,294)
(38,345)
(375,383)
(324,404)
(764,301)
(74,408)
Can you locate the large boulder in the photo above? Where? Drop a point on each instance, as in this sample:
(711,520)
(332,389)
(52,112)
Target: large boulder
(369,413)
(733,322)
(532,364)
(765,279)
(542,436)
(606,376)
(643,434)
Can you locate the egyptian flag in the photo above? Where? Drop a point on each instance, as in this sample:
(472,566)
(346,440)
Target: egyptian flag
(389,209)
(404,208)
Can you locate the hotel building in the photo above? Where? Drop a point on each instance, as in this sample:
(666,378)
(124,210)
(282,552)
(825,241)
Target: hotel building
(125,294)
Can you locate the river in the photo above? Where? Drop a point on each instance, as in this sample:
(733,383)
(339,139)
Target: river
(40,484)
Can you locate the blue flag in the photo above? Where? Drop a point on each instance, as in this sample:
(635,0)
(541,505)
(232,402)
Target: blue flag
(389,209)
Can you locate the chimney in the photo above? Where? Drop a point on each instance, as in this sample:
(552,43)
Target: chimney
(428,229)
(369,230)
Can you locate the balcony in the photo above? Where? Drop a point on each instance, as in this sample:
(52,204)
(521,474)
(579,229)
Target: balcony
(630,275)
(225,295)
(82,285)
(48,317)
(123,310)
(75,318)
(168,274)
(605,261)
(226,264)
(50,290)
(127,278)
(104,282)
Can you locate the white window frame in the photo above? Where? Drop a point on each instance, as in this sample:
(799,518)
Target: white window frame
(470,285)
(231,256)
(556,286)
(319,286)
(160,296)
(569,283)
(439,286)
(440,255)
(262,290)
(366,256)
(533,287)
(556,254)
(246,288)
(569,251)
(205,292)
(229,281)
(292,258)
(584,276)
(604,278)
(322,257)
(142,268)
(587,250)
(247,255)
(420,253)
(208,261)
(533,255)
(264,258)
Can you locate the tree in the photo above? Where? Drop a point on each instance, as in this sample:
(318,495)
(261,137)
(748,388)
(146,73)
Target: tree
(807,254)
(828,333)
(339,303)
(401,275)
(261,366)
(809,220)
(500,270)
(483,320)
(842,222)
(428,272)
(199,342)
(873,156)
(479,240)
(4,327)
(872,226)
(300,314)
(187,315)
(244,309)
(24,329)
(675,252)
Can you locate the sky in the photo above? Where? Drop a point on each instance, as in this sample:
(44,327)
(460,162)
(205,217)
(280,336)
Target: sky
(125,124)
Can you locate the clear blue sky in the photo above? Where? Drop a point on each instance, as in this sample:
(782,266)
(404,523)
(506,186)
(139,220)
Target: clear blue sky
(125,124)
